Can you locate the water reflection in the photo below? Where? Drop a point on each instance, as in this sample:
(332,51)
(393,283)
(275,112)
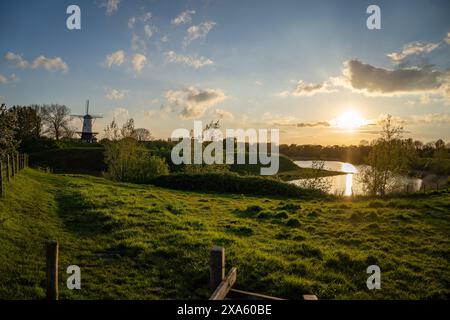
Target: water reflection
(349,184)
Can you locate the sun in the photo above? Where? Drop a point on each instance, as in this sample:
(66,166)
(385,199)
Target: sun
(349,120)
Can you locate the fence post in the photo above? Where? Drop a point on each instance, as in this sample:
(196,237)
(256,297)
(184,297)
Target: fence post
(1,178)
(7,167)
(17,162)
(216,266)
(52,270)
(12,166)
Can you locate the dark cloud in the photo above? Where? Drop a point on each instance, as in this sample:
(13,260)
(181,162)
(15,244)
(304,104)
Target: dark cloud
(313,124)
(365,77)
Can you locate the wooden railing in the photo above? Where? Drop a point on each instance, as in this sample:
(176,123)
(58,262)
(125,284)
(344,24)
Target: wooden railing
(223,285)
(10,165)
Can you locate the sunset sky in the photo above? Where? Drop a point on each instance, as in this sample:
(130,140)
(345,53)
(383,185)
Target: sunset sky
(310,68)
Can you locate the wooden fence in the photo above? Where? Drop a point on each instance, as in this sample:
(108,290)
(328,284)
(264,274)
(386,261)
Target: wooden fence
(223,285)
(10,165)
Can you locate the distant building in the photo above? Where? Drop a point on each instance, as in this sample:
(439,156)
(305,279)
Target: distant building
(86,132)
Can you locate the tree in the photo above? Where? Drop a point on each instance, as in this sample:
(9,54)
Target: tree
(56,119)
(29,122)
(440,152)
(142,134)
(112,131)
(8,126)
(129,161)
(389,157)
(127,130)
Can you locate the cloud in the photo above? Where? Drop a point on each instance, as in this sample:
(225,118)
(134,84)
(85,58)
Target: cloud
(120,114)
(131,22)
(414,48)
(182,18)
(193,102)
(198,32)
(378,81)
(193,61)
(137,43)
(259,83)
(431,118)
(307,89)
(3,79)
(50,64)
(115,94)
(223,114)
(17,60)
(116,58)
(138,61)
(12,78)
(110,5)
(417,48)
(148,30)
(318,124)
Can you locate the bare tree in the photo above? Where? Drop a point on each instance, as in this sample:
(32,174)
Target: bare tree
(142,134)
(127,130)
(56,119)
(112,131)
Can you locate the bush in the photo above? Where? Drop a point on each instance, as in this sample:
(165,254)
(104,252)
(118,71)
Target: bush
(128,161)
(232,183)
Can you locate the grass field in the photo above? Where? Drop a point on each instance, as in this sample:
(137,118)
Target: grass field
(143,242)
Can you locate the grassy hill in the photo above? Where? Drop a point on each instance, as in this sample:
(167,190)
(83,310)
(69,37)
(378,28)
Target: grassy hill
(90,160)
(145,242)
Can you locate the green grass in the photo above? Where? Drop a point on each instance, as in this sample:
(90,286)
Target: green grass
(145,242)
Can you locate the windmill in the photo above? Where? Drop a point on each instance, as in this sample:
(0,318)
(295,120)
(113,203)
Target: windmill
(86,132)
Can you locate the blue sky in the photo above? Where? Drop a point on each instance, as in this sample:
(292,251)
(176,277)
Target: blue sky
(252,63)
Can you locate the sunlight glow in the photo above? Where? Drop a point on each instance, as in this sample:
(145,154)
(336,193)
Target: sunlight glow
(349,121)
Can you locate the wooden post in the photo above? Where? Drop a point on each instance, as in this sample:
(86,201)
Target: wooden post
(52,270)
(225,286)
(7,168)
(1,178)
(13,164)
(216,266)
(17,162)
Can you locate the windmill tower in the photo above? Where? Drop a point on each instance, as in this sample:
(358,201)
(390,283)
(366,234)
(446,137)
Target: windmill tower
(88,120)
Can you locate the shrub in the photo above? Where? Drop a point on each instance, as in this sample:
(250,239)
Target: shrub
(233,183)
(128,161)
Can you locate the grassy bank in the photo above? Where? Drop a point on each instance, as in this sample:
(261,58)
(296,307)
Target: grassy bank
(90,160)
(145,242)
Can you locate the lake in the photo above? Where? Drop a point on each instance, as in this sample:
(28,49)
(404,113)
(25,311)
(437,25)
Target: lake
(348,183)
